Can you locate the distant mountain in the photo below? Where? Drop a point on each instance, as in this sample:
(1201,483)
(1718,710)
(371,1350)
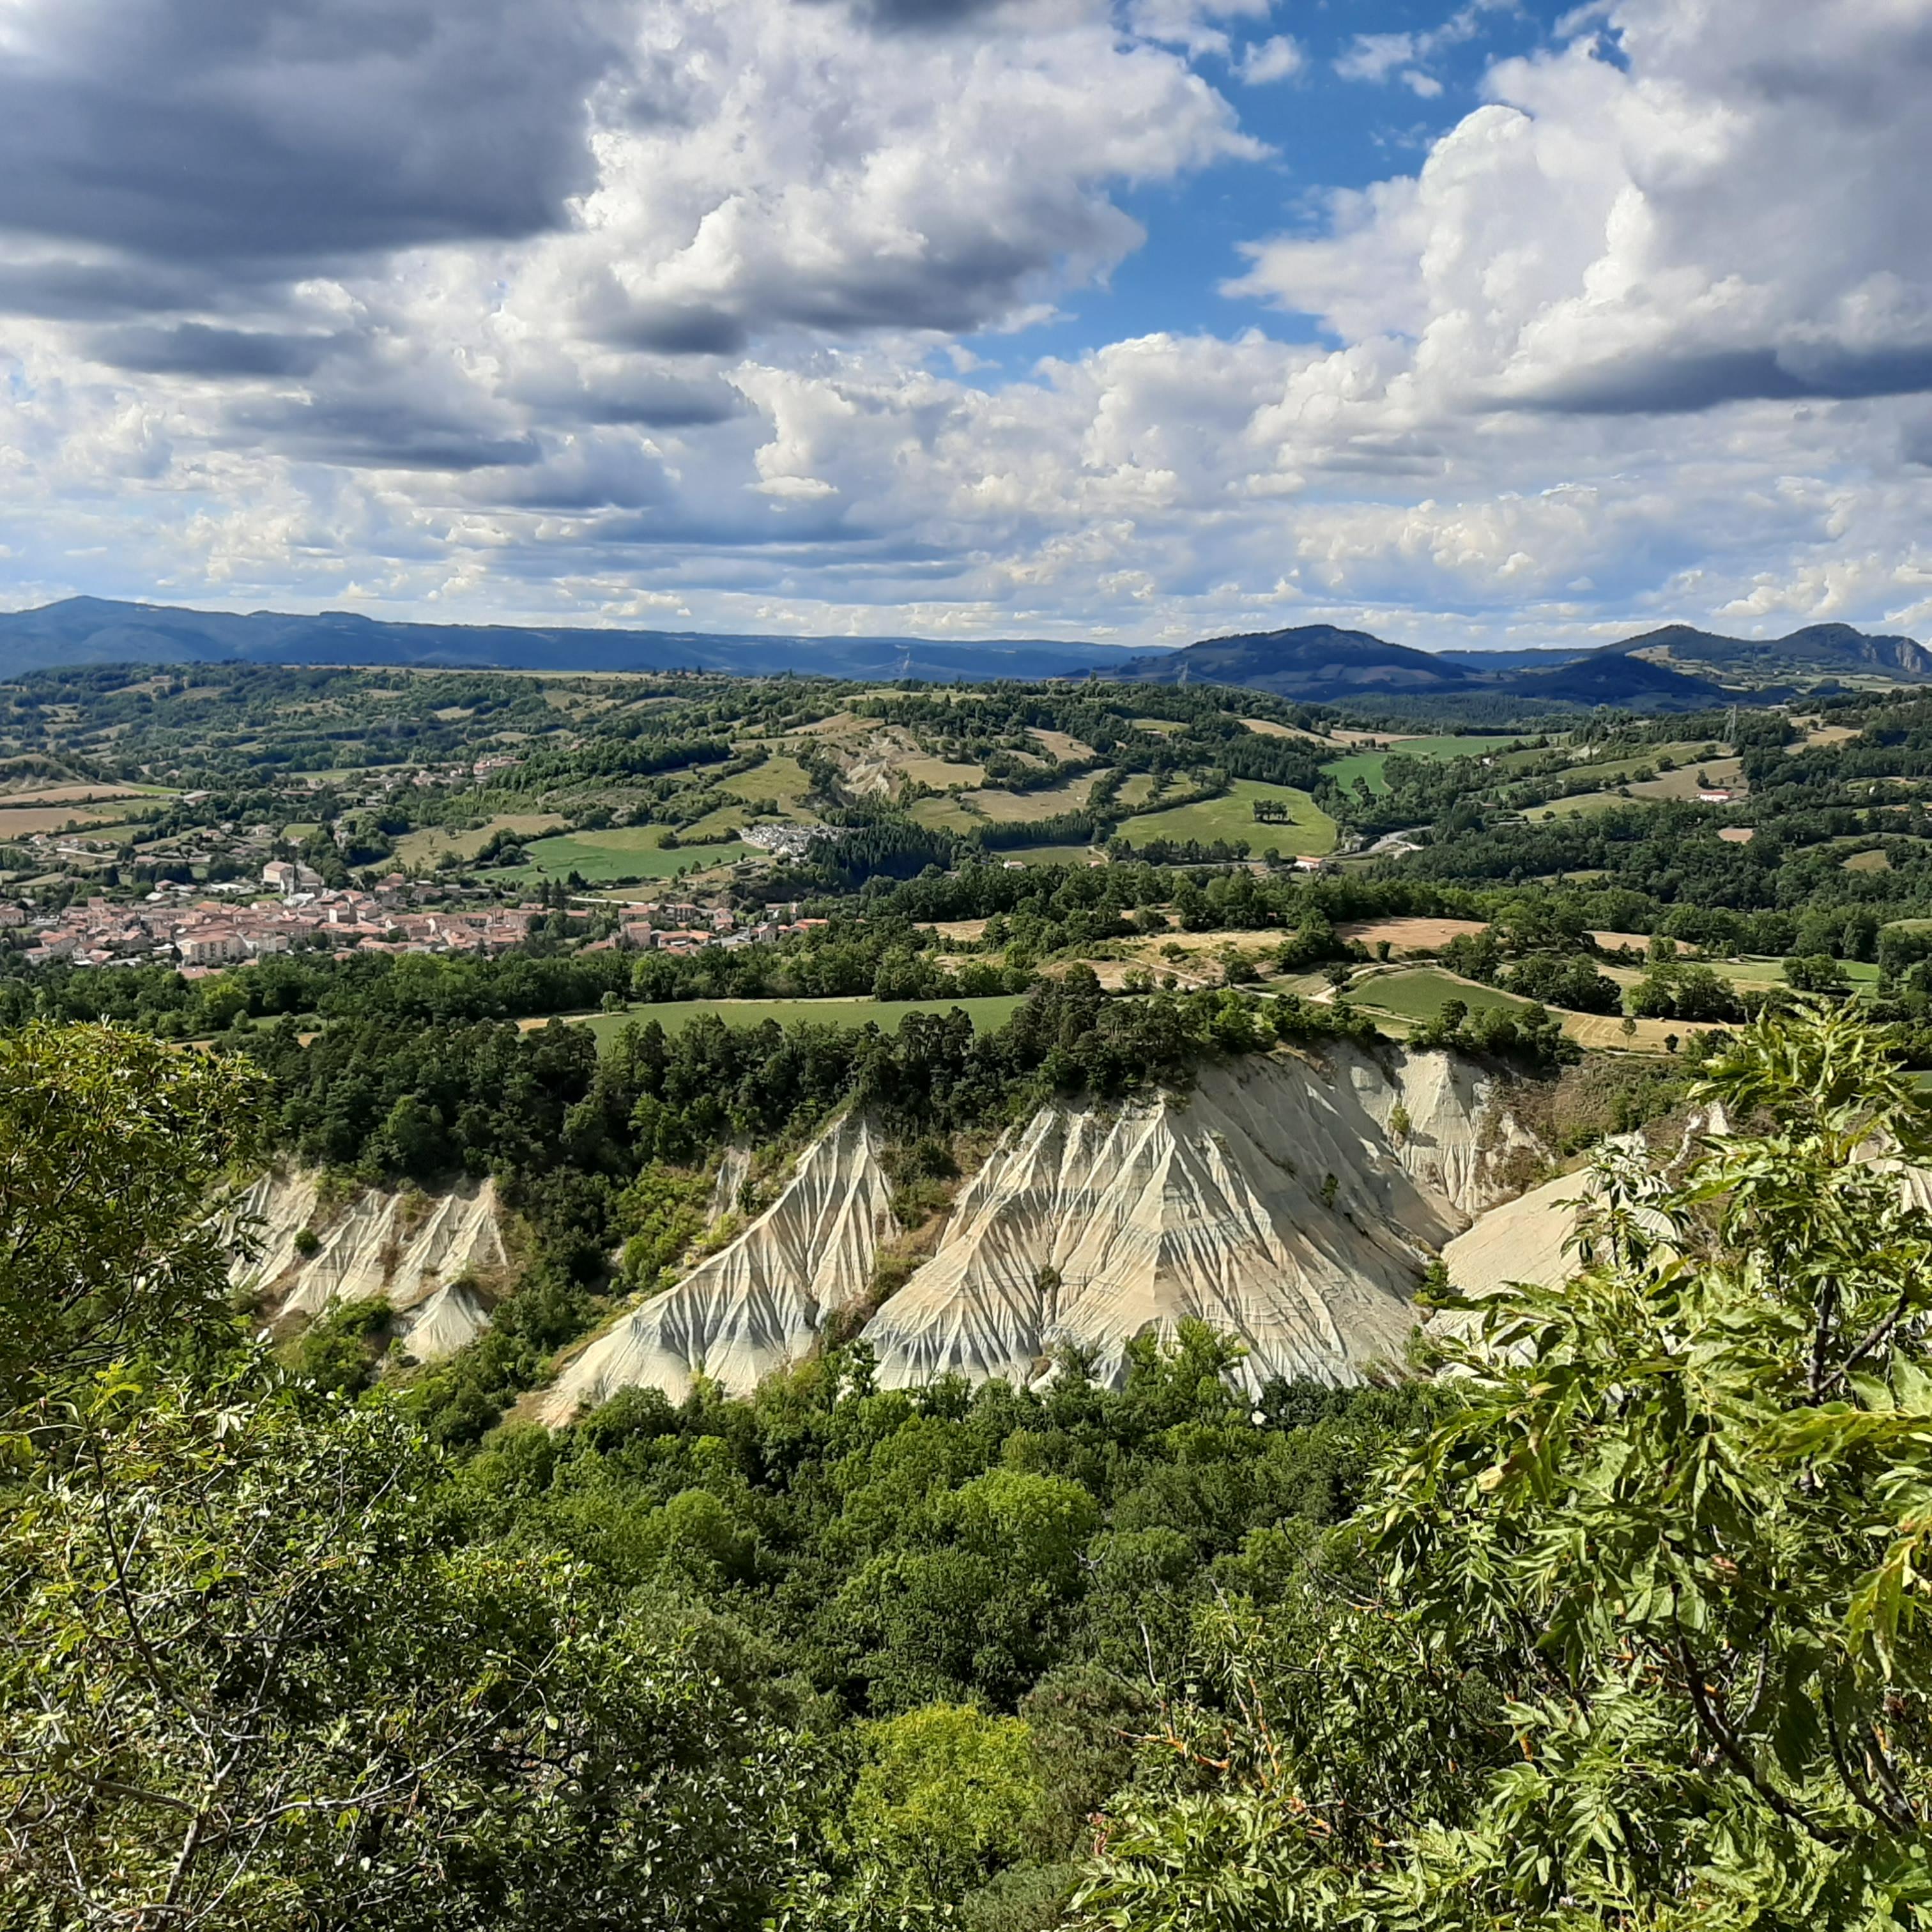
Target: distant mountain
(1310,661)
(1541,658)
(1677,668)
(93,630)
(1828,648)
(1608,677)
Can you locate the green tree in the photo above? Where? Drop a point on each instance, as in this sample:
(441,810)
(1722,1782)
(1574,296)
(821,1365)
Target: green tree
(945,1792)
(1820,973)
(111,1148)
(249,1677)
(1638,1636)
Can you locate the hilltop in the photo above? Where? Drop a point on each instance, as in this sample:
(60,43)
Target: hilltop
(1677,667)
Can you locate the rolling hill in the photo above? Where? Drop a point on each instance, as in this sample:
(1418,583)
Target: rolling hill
(1309,660)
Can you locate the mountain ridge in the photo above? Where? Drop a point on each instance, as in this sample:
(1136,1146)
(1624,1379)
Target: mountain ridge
(1673,666)
(79,631)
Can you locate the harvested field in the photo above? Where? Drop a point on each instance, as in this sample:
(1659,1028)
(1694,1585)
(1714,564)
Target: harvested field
(1738,834)
(940,773)
(1409,935)
(73,794)
(17,821)
(1603,1032)
(1062,748)
(1610,942)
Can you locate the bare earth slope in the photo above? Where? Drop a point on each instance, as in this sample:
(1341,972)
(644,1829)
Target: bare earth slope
(758,1305)
(422,1253)
(1272,1202)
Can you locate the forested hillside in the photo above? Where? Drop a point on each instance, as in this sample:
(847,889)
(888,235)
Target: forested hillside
(1621,1623)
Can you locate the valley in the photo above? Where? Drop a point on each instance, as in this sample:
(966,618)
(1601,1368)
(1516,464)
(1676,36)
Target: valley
(910,1200)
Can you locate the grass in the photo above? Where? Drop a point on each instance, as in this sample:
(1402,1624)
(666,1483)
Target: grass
(988,1014)
(940,773)
(943,814)
(1422,993)
(428,843)
(778,779)
(1581,805)
(1311,832)
(1047,855)
(1372,765)
(1022,807)
(623,852)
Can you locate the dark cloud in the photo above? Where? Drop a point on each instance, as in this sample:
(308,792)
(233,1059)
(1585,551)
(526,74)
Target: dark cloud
(66,291)
(195,349)
(678,329)
(667,404)
(217,130)
(921,16)
(376,434)
(1662,383)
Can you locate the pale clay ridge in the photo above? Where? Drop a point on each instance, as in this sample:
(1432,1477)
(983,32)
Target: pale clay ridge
(1531,1238)
(1094,1225)
(759,1304)
(425,1271)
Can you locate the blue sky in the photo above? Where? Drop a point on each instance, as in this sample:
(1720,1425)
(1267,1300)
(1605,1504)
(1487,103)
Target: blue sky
(1325,132)
(916,315)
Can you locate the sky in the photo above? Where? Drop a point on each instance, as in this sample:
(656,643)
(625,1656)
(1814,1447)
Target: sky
(1130,320)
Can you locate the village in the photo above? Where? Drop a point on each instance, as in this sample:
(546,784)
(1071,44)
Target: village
(202,929)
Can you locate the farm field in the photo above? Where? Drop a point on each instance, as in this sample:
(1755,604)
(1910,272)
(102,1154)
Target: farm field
(941,773)
(1409,934)
(1582,805)
(943,814)
(988,1014)
(1021,808)
(1060,745)
(778,779)
(1421,992)
(1371,765)
(623,852)
(424,846)
(30,794)
(17,821)
(1231,817)
(1050,855)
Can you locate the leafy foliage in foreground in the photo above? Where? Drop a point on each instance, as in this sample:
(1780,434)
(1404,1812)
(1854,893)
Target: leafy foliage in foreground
(1637,1636)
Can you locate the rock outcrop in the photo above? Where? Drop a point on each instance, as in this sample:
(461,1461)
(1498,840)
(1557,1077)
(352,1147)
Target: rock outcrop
(1527,1239)
(1276,1201)
(760,1303)
(425,1254)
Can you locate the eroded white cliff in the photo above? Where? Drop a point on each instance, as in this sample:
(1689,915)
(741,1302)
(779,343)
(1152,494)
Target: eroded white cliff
(424,1254)
(758,1304)
(1274,1202)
